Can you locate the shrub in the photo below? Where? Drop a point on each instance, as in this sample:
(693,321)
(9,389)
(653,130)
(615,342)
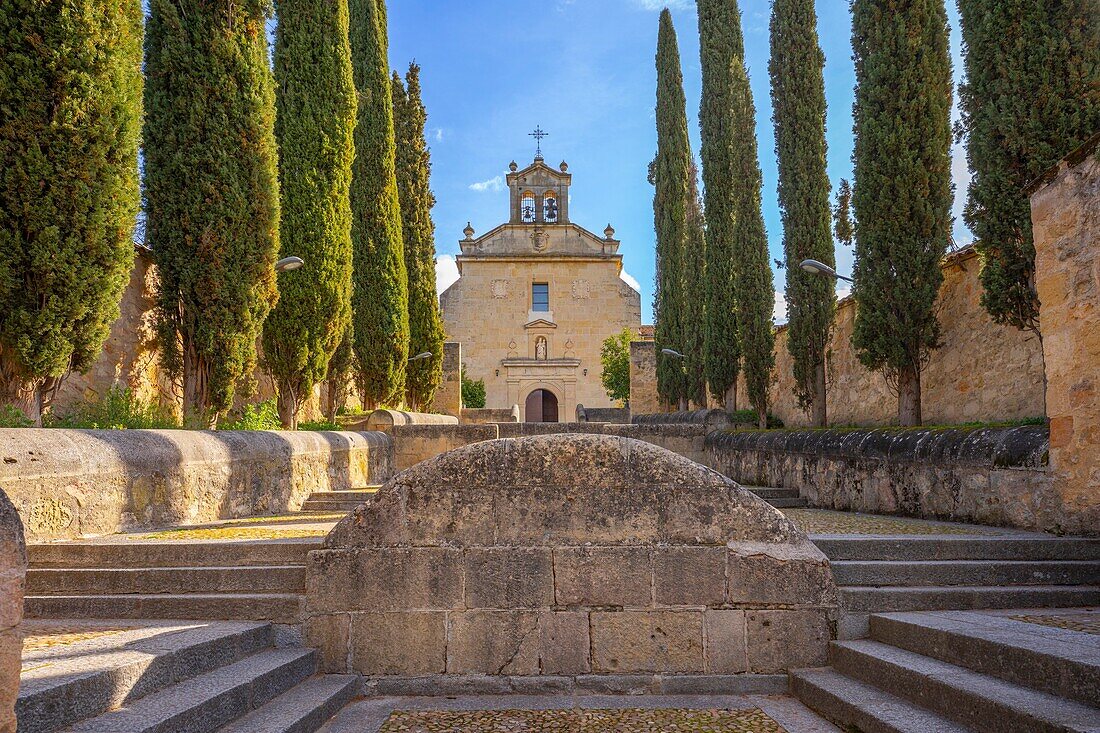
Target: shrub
(117,409)
(256,416)
(615,359)
(473,392)
(318,425)
(12,417)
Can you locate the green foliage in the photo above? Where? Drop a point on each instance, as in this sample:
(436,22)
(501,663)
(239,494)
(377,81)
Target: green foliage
(615,361)
(902,196)
(694,303)
(414,190)
(749,417)
(12,417)
(211,191)
(1032,95)
(720,50)
(70,122)
(117,409)
(843,229)
(319,426)
(473,391)
(316,107)
(798,110)
(380,300)
(670,174)
(338,377)
(255,416)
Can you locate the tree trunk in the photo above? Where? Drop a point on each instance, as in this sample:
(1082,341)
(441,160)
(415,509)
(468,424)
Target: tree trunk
(196,392)
(762,419)
(909,413)
(683,405)
(19,392)
(288,407)
(336,397)
(731,399)
(820,402)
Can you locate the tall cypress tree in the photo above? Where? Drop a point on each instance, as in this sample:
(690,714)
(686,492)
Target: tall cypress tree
(414,190)
(380,301)
(902,195)
(70,120)
(211,191)
(316,116)
(798,111)
(695,269)
(1032,94)
(720,46)
(670,174)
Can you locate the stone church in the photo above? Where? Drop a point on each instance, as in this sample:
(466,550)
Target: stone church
(535,299)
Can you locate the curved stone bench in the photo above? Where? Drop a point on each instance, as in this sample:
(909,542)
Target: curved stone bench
(567,561)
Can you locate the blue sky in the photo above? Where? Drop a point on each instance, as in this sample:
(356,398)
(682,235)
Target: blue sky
(584,70)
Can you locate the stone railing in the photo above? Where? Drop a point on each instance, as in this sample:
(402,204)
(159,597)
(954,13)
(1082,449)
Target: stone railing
(67,483)
(618,415)
(489,415)
(992,476)
(713,419)
(386,420)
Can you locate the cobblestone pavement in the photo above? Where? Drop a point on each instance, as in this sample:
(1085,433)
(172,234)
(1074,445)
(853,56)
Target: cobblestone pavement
(827,521)
(37,639)
(1085,621)
(629,720)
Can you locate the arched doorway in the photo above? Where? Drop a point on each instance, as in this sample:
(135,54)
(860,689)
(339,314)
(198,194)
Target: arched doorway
(542,406)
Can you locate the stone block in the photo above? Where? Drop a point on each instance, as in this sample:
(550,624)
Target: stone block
(509,577)
(603,576)
(494,643)
(778,579)
(399,643)
(689,576)
(626,642)
(781,640)
(725,641)
(330,635)
(386,579)
(564,642)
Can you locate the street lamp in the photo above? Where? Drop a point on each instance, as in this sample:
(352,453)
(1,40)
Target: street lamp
(820,268)
(674,354)
(421,356)
(289,263)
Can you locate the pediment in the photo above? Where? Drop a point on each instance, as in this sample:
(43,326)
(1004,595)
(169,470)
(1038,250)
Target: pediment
(540,323)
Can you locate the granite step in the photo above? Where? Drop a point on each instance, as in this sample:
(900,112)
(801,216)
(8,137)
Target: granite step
(176,580)
(771,492)
(957,547)
(63,685)
(976,700)
(330,506)
(210,701)
(302,709)
(283,608)
(798,503)
(171,554)
(1057,661)
(359,495)
(856,599)
(965,572)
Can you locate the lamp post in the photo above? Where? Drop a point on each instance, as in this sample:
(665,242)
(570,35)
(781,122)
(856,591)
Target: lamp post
(421,356)
(673,353)
(289,263)
(820,268)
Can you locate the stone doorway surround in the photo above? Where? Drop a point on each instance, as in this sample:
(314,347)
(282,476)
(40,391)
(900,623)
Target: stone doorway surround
(559,376)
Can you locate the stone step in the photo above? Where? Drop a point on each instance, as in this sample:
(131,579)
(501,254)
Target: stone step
(119,581)
(301,709)
(966,572)
(62,686)
(171,554)
(1062,663)
(973,699)
(359,495)
(898,598)
(947,547)
(329,506)
(283,608)
(797,503)
(210,701)
(857,706)
(770,492)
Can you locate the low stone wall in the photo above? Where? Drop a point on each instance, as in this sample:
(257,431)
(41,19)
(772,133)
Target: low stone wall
(993,476)
(489,415)
(685,439)
(13,574)
(385,420)
(618,415)
(712,419)
(567,562)
(67,483)
(415,443)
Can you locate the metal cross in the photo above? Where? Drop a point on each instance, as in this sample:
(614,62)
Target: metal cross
(538,134)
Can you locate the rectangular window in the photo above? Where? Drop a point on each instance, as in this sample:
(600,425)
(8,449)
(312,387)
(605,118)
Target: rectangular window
(540,297)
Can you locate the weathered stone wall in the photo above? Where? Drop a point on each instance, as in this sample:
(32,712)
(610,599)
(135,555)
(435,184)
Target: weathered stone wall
(620,415)
(385,420)
(448,398)
(487,415)
(13,574)
(643,378)
(686,440)
(415,443)
(67,483)
(714,419)
(567,562)
(1065,212)
(993,476)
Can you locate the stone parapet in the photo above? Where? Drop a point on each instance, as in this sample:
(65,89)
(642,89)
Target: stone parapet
(13,574)
(618,415)
(490,415)
(385,420)
(416,443)
(712,419)
(68,483)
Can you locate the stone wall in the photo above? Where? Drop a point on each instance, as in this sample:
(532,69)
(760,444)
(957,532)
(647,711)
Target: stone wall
(68,483)
(385,420)
(448,398)
(643,378)
(415,443)
(567,562)
(993,476)
(1065,212)
(487,415)
(619,415)
(13,574)
(686,440)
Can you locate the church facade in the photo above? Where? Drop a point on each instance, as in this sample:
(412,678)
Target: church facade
(535,299)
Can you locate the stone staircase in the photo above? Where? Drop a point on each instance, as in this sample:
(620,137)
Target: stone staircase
(779,498)
(174,677)
(953,672)
(338,501)
(254,580)
(878,574)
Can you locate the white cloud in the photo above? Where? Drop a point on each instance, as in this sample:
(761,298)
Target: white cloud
(446,272)
(779,313)
(662,4)
(630,280)
(494,184)
(437,133)
(843,291)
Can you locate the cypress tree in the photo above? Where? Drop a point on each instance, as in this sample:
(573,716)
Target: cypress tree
(720,46)
(843,229)
(341,370)
(211,191)
(414,191)
(71,84)
(380,300)
(798,111)
(695,267)
(315,104)
(670,174)
(1032,95)
(902,195)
